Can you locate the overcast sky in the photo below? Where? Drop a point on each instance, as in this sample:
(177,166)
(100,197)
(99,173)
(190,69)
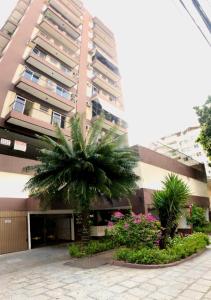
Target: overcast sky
(164,62)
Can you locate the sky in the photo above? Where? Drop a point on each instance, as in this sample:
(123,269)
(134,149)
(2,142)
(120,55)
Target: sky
(164,63)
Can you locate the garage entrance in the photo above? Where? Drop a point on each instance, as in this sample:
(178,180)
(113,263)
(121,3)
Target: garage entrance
(50,228)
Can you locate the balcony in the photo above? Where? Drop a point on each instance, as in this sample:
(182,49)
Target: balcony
(59,35)
(105,85)
(46,90)
(104,36)
(102,68)
(64,25)
(30,115)
(74,8)
(43,63)
(113,115)
(66,13)
(103,27)
(107,124)
(104,46)
(56,49)
(12,22)
(4,40)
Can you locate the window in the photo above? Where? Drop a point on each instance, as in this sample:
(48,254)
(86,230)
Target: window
(65,69)
(58,119)
(28,74)
(19,104)
(112,98)
(62,92)
(40,53)
(95,90)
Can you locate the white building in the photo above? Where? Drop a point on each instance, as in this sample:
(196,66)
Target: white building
(183,142)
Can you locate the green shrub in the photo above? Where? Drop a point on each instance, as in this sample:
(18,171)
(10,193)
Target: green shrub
(205,229)
(135,231)
(178,249)
(197,218)
(81,250)
(75,250)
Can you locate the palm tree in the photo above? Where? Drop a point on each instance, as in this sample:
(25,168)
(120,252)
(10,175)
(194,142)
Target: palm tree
(83,169)
(169,203)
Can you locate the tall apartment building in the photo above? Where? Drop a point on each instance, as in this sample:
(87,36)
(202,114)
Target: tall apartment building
(55,60)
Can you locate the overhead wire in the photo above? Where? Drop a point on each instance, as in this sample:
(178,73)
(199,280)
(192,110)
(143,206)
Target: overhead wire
(194,21)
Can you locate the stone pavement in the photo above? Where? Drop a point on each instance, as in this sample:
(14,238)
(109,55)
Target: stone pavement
(64,279)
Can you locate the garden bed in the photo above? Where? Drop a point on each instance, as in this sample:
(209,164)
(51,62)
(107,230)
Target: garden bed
(143,266)
(179,250)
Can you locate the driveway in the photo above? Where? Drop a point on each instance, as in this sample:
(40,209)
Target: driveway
(48,274)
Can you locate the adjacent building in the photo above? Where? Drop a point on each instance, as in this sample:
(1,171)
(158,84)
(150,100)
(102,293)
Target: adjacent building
(183,142)
(56,59)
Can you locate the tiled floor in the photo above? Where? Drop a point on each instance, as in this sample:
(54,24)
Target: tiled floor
(45,279)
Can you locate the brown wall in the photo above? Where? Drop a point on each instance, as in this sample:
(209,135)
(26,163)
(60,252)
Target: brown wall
(156,159)
(144,199)
(12,164)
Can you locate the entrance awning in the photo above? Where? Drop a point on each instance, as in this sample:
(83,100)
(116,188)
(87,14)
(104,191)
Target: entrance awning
(110,108)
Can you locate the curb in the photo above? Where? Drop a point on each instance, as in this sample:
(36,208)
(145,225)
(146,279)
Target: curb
(121,263)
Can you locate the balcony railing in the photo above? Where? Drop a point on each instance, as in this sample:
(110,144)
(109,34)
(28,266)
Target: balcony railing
(58,45)
(28,108)
(55,62)
(62,25)
(47,84)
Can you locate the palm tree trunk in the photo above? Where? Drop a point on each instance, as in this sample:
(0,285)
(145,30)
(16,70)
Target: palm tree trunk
(85,235)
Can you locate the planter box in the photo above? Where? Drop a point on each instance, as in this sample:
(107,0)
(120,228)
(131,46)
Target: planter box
(98,230)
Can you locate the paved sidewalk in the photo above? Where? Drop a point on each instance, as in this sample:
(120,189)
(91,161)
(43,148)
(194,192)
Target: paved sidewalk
(66,280)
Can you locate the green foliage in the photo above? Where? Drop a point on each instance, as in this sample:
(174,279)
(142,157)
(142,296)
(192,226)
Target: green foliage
(179,249)
(92,247)
(197,218)
(135,231)
(205,229)
(204,116)
(83,169)
(169,203)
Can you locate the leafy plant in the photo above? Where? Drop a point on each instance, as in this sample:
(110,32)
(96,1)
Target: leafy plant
(169,203)
(84,169)
(179,249)
(204,116)
(135,230)
(92,247)
(197,218)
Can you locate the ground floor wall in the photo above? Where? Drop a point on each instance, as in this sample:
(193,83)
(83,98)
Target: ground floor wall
(13,231)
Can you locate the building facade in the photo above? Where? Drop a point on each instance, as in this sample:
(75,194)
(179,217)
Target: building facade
(56,59)
(152,169)
(183,142)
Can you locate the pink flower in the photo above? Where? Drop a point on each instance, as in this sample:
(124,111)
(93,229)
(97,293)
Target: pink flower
(110,224)
(126,225)
(137,220)
(150,218)
(118,215)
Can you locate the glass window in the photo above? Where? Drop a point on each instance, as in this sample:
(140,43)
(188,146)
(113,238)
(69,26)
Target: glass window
(40,53)
(28,74)
(56,118)
(62,92)
(19,104)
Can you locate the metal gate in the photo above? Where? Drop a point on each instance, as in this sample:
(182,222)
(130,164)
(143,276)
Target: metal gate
(13,231)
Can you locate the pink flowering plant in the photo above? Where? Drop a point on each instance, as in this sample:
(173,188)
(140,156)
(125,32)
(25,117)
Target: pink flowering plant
(135,230)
